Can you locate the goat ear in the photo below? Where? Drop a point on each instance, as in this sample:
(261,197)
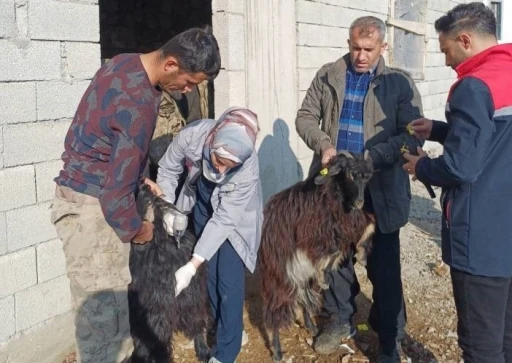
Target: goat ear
(335,169)
(338,165)
(320,180)
(326,173)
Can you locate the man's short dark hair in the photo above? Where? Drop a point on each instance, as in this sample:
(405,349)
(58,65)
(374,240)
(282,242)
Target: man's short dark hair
(475,17)
(196,51)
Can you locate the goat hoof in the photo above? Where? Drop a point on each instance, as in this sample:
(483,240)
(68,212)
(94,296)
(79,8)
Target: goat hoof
(278,357)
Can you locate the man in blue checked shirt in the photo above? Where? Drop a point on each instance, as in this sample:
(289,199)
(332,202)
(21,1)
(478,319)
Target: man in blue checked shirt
(358,103)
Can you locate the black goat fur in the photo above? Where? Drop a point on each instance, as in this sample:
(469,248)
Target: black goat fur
(155,313)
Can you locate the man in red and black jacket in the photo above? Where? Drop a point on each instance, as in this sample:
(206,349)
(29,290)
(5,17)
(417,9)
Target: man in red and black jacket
(474,172)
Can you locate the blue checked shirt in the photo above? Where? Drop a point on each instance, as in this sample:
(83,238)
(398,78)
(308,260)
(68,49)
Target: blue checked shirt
(350,134)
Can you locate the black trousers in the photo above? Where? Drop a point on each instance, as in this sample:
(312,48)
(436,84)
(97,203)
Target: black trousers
(387,314)
(484,311)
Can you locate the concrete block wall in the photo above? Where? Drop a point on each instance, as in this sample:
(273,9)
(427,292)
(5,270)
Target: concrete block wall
(322,33)
(438,77)
(229,24)
(506,25)
(257,45)
(50,51)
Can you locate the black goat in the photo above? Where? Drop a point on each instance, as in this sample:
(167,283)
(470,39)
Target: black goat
(309,227)
(155,312)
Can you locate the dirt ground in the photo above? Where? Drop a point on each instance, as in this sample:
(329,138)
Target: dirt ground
(431,328)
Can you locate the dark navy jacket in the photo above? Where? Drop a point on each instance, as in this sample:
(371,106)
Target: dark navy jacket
(475,170)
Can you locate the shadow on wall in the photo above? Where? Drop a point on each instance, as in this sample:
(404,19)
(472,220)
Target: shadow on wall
(279,167)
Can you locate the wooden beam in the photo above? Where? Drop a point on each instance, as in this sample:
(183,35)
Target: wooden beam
(410,26)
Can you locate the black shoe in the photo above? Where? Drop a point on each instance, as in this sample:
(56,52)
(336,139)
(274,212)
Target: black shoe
(330,338)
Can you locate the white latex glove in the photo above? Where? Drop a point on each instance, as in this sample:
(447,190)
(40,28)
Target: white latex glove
(183,276)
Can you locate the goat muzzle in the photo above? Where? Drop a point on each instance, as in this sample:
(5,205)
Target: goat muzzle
(359,204)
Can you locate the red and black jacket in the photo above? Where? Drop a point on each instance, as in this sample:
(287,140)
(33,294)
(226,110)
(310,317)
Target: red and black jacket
(475,170)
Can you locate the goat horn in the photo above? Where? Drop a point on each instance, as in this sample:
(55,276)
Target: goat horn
(366,154)
(346,153)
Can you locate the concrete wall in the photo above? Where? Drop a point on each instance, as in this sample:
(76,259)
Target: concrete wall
(257,43)
(49,52)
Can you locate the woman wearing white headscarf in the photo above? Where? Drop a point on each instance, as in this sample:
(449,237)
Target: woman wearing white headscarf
(223,193)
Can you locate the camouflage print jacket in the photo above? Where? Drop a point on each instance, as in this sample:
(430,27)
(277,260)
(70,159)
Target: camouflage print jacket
(172,117)
(106,147)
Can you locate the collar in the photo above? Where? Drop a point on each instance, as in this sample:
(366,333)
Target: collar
(496,52)
(370,72)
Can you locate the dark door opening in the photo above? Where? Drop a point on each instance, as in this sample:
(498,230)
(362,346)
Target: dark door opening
(140,26)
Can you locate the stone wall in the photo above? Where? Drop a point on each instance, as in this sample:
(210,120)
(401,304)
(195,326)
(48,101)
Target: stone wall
(50,51)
